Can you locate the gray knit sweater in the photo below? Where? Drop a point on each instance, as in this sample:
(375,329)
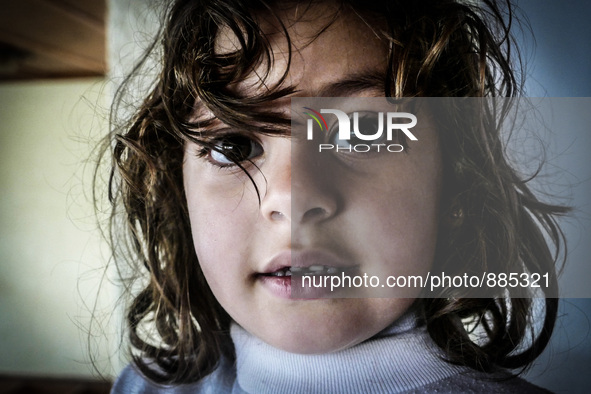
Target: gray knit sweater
(401,359)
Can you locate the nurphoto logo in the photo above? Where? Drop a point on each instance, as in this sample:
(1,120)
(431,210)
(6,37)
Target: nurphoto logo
(369,129)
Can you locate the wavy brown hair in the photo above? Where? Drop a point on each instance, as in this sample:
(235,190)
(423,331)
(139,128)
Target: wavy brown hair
(437,48)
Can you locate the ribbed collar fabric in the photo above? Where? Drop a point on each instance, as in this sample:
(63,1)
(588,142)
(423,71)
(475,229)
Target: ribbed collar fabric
(400,358)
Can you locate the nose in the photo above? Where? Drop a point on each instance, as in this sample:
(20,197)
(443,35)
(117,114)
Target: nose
(298,191)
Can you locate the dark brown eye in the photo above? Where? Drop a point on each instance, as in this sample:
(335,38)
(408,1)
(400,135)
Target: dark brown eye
(368,134)
(368,124)
(233,149)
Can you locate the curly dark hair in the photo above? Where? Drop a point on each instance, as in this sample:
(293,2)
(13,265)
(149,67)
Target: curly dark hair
(437,48)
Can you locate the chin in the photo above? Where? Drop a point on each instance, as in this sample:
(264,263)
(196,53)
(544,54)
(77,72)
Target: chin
(325,330)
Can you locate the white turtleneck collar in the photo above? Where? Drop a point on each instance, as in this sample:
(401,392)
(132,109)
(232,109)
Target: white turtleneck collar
(400,358)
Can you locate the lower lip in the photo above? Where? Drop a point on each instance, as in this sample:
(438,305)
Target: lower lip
(281,286)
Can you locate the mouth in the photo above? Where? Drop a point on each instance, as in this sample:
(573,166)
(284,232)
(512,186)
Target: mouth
(286,271)
(284,274)
(312,270)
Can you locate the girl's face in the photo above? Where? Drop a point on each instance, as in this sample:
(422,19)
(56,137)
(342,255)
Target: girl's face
(383,211)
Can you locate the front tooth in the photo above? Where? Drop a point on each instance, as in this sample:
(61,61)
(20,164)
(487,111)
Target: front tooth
(288,272)
(297,269)
(316,267)
(279,273)
(332,270)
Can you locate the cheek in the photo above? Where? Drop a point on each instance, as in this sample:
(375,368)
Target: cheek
(218,233)
(418,218)
(397,215)
(220,215)
(411,249)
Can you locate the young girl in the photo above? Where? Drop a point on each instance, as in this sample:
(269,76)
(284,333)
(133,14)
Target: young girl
(223,203)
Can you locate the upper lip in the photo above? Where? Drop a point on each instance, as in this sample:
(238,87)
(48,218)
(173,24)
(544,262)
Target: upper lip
(307,258)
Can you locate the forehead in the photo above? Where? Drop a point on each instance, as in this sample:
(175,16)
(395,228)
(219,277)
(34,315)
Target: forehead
(322,50)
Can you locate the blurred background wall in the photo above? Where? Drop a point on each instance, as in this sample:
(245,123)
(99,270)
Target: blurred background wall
(53,112)
(50,253)
(559,65)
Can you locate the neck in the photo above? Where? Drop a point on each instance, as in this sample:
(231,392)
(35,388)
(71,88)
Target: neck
(402,357)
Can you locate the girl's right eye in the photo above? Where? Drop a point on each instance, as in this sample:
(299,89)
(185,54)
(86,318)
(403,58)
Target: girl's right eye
(229,150)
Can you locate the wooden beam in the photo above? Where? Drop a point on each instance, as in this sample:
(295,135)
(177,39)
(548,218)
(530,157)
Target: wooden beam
(40,27)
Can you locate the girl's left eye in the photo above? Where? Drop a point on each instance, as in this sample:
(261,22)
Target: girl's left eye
(368,124)
(232,149)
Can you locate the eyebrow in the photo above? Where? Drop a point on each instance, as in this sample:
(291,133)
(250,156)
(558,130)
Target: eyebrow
(354,84)
(348,86)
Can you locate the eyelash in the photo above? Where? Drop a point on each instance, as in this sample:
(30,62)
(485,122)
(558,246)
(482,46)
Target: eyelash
(225,144)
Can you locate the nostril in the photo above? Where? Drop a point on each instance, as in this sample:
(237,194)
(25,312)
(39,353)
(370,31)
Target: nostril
(276,215)
(315,213)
